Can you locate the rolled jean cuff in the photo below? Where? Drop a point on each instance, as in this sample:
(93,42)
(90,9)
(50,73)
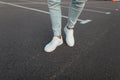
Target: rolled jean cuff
(57,33)
(70,23)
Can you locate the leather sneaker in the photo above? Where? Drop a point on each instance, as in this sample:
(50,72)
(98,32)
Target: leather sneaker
(51,46)
(69,36)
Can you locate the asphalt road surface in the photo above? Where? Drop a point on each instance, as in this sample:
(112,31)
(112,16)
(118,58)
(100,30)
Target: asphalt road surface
(25,29)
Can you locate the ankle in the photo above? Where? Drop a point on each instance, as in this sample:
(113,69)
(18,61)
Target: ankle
(69,28)
(59,36)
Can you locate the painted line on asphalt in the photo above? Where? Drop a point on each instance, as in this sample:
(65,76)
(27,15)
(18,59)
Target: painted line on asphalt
(103,12)
(104,8)
(91,10)
(42,11)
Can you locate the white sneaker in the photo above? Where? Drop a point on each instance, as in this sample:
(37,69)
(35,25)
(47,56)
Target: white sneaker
(69,37)
(53,44)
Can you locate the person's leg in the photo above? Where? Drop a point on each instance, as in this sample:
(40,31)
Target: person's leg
(55,15)
(75,10)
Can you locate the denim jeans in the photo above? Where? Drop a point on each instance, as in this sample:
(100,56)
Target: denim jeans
(75,9)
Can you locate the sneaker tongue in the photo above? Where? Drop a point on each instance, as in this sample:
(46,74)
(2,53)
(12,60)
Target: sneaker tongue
(55,40)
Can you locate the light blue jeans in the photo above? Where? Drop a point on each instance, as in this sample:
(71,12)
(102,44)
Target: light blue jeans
(75,9)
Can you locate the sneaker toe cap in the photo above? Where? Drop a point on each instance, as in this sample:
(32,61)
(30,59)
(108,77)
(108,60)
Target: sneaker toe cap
(49,48)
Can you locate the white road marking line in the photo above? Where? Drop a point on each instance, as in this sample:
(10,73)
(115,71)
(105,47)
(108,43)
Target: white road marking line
(29,2)
(98,11)
(117,9)
(37,10)
(81,21)
(91,10)
(102,8)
